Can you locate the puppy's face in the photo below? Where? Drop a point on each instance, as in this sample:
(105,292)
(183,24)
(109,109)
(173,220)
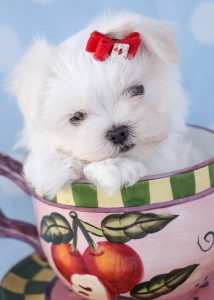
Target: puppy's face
(96,110)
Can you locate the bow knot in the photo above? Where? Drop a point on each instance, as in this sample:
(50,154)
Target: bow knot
(103,46)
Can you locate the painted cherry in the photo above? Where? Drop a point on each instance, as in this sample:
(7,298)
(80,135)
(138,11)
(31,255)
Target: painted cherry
(118,266)
(67,261)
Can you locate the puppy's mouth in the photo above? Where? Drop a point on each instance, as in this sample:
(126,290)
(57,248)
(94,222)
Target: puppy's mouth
(126,147)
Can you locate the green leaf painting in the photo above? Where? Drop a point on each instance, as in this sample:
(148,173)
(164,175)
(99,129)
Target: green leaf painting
(56,229)
(162,284)
(121,228)
(92,229)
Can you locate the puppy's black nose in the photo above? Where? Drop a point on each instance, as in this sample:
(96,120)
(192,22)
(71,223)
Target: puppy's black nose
(118,135)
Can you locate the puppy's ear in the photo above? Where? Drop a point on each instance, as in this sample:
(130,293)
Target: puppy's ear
(27,80)
(159,39)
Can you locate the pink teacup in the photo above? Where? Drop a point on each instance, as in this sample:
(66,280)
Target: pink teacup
(153,240)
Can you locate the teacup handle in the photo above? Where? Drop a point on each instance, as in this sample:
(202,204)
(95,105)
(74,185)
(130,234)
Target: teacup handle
(22,231)
(12,169)
(9,228)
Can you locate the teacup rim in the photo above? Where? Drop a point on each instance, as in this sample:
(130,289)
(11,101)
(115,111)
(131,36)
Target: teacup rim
(122,209)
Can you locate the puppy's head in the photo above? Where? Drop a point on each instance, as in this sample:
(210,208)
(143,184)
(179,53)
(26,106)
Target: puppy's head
(95,110)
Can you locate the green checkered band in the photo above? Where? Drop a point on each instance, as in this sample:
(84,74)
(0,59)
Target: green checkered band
(27,281)
(143,192)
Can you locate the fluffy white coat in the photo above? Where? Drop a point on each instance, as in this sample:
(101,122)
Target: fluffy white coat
(52,83)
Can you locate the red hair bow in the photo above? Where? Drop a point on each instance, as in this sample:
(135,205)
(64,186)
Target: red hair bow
(103,46)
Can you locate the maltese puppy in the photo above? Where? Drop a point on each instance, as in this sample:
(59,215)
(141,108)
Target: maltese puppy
(106,105)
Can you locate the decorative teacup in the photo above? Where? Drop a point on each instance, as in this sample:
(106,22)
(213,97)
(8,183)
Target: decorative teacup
(153,240)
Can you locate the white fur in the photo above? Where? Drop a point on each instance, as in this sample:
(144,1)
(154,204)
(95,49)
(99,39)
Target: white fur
(51,83)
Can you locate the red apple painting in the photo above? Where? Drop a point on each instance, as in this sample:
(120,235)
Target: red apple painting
(67,261)
(119,267)
(109,268)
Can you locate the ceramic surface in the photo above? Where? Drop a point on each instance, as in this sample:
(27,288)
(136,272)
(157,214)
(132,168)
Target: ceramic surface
(33,279)
(163,253)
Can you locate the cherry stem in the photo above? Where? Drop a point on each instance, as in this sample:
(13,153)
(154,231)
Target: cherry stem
(75,228)
(77,223)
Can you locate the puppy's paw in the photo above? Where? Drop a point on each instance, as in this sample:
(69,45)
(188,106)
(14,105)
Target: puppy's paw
(112,174)
(48,174)
(103,174)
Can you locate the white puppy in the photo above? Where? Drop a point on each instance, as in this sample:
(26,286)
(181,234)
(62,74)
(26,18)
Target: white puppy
(112,120)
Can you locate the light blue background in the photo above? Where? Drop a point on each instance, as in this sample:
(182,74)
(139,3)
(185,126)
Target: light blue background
(21,20)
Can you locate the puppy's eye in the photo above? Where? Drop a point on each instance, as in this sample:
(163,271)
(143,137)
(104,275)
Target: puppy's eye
(136,90)
(77,117)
